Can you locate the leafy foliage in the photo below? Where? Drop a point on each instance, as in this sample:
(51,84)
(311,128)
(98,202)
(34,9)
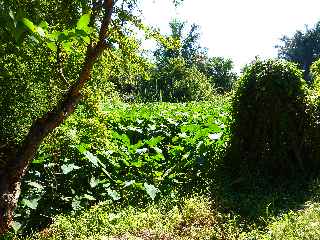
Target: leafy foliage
(129,154)
(269,119)
(302,48)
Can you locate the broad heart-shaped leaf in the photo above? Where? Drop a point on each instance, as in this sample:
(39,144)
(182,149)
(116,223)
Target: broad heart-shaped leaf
(151,190)
(66,168)
(113,194)
(83,22)
(89,197)
(92,158)
(31,203)
(16,226)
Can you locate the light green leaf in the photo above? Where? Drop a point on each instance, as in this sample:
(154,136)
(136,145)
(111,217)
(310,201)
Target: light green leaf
(113,194)
(92,158)
(29,24)
(35,185)
(52,46)
(31,203)
(66,168)
(89,197)
(94,182)
(151,190)
(129,183)
(44,25)
(83,22)
(67,46)
(40,31)
(16,226)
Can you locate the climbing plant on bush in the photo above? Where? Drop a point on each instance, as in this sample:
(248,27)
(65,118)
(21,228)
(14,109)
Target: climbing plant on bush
(269,119)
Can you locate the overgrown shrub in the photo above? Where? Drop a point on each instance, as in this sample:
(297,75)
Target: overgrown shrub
(315,75)
(269,119)
(313,110)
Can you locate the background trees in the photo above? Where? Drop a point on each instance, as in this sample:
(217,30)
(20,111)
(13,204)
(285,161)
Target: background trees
(184,71)
(302,48)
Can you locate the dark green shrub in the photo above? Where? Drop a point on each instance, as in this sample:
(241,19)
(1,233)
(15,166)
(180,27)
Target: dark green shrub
(313,110)
(269,119)
(315,75)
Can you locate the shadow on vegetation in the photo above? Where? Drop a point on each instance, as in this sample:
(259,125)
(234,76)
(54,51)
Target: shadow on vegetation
(257,199)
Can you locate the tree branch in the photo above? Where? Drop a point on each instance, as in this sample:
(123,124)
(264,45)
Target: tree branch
(12,173)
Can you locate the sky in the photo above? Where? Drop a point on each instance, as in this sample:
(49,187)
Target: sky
(237,29)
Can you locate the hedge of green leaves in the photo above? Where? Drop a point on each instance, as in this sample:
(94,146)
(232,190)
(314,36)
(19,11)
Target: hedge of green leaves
(272,120)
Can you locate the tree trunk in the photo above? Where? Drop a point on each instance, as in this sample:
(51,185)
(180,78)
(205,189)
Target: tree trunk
(17,164)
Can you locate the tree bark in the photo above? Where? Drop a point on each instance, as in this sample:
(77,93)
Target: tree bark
(12,173)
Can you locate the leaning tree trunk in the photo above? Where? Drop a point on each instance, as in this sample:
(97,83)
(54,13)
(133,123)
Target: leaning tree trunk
(17,164)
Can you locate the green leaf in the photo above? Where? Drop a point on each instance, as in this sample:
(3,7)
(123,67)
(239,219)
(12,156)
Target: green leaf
(66,168)
(52,46)
(31,203)
(20,28)
(113,194)
(92,158)
(76,204)
(16,226)
(40,31)
(82,148)
(151,190)
(67,46)
(83,22)
(89,197)
(62,37)
(94,182)
(44,25)
(35,185)
(129,183)
(29,24)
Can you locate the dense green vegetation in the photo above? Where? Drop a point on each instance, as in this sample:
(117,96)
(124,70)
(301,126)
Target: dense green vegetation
(128,153)
(123,146)
(302,48)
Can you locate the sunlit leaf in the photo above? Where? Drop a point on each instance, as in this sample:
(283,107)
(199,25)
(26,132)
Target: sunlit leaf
(83,22)
(40,31)
(113,194)
(29,24)
(215,136)
(35,185)
(89,197)
(92,158)
(33,204)
(16,226)
(66,168)
(151,190)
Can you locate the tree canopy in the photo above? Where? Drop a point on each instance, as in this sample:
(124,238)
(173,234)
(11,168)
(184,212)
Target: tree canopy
(302,48)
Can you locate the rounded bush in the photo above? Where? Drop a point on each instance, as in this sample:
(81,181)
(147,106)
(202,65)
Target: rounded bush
(269,117)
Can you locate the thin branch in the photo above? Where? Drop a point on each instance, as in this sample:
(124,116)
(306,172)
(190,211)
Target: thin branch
(60,66)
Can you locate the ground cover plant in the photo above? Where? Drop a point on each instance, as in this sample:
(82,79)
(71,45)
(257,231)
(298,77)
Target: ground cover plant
(127,153)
